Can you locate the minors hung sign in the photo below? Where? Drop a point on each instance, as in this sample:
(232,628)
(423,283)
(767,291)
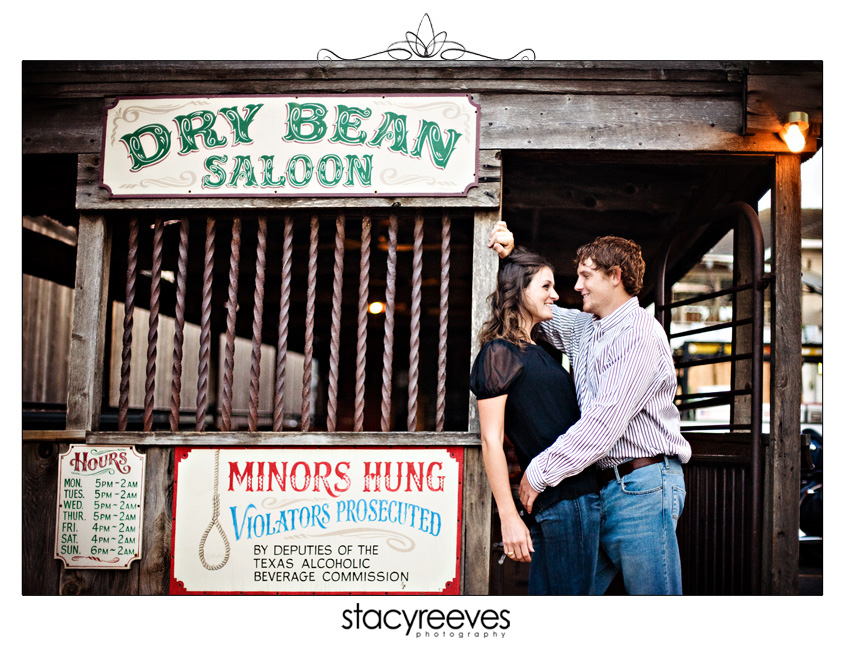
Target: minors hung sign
(297,146)
(317,520)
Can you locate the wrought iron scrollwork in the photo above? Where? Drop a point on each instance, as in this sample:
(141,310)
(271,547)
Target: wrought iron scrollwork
(425,43)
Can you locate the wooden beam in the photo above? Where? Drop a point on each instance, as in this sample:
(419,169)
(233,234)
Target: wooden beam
(154,565)
(669,106)
(55,436)
(476,525)
(87,346)
(286,439)
(484,275)
(619,122)
(40,570)
(477,496)
(772,92)
(781,509)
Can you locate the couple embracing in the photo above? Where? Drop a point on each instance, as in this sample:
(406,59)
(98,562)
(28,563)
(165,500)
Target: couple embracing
(601,453)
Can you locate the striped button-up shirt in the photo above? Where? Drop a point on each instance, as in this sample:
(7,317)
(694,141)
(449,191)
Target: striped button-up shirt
(625,381)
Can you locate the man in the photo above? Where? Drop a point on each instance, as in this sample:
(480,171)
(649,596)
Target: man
(625,382)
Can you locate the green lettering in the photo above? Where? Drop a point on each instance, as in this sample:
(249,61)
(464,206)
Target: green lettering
(140,158)
(322,170)
(212,165)
(345,122)
(267,179)
(188,132)
(440,152)
(394,127)
(242,168)
(297,121)
(240,124)
(362,169)
(307,170)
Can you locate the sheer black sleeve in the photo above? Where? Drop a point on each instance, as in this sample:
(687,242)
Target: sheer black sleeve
(497,366)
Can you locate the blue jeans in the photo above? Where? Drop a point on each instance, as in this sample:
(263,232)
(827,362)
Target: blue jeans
(639,515)
(565,543)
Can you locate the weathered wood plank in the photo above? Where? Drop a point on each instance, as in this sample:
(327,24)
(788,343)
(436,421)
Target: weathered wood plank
(387,84)
(154,566)
(772,94)
(73,435)
(85,378)
(477,507)
(38,519)
(512,117)
(99,582)
(82,73)
(781,516)
(57,126)
(288,439)
(609,122)
(484,275)
(477,517)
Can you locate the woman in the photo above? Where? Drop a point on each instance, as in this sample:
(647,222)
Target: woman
(524,393)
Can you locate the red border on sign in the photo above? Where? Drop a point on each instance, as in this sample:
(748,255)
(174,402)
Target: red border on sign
(451,587)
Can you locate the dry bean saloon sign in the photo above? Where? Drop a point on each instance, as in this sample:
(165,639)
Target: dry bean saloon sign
(301,146)
(316,521)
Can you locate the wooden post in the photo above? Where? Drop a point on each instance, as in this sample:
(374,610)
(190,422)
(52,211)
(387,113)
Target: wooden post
(87,346)
(781,517)
(154,565)
(477,507)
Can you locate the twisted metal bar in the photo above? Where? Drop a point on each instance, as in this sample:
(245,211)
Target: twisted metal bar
(179,332)
(231,316)
(389,319)
(257,324)
(445,267)
(154,306)
(309,325)
(128,321)
(415,318)
(336,311)
(363,300)
(205,327)
(283,322)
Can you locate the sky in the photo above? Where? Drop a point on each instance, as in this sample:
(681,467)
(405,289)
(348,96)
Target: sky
(811,177)
(662,30)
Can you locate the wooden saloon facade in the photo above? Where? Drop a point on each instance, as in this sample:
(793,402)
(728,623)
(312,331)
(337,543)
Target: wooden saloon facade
(241,322)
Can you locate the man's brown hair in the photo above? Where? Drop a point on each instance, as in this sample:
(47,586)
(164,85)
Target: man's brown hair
(611,252)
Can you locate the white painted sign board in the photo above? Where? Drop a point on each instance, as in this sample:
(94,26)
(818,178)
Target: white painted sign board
(296,145)
(99,508)
(317,520)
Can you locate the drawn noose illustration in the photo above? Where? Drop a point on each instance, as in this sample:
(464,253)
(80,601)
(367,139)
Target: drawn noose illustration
(215,521)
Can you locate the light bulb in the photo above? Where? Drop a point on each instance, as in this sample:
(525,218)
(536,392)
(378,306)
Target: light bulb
(794,138)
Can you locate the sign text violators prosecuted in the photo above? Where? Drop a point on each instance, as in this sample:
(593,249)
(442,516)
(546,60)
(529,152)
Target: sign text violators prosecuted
(365,520)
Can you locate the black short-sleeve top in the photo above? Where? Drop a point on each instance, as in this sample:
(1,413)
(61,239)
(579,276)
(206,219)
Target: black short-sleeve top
(541,405)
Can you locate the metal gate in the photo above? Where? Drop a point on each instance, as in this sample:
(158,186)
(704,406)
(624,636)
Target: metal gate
(720,530)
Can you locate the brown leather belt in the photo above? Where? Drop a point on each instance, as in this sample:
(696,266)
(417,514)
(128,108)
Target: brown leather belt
(608,474)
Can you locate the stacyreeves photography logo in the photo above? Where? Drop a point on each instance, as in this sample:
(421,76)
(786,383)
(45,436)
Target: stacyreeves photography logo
(457,624)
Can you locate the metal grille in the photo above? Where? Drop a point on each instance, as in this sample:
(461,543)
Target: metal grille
(213,275)
(720,531)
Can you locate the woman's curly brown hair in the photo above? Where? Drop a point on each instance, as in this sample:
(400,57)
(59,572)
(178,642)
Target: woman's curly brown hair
(610,252)
(507,300)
